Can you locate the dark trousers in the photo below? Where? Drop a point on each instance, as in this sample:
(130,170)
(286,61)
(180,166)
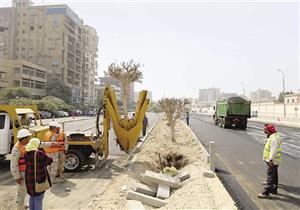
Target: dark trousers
(144,131)
(272,179)
(188,121)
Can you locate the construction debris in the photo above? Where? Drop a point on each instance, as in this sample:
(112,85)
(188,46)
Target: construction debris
(135,205)
(208,174)
(163,191)
(182,176)
(146,199)
(145,189)
(162,179)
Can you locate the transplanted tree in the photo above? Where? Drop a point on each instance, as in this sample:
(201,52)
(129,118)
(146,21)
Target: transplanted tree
(173,108)
(127,73)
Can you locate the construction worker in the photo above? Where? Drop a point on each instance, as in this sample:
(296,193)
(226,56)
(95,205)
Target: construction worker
(62,140)
(272,156)
(51,136)
(18,165)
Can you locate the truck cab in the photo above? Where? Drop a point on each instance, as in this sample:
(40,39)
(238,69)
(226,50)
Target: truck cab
(6,135)
(14,118)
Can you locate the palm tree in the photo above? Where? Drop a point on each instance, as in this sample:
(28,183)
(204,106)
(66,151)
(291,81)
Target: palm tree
(127,73)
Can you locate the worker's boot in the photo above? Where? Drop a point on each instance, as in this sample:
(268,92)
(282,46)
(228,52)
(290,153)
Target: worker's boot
(263,195)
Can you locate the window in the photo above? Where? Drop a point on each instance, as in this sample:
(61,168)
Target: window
(25,83)
(288,101)
(17,70)
(2,121)
(293,100)
(31,27)
(17,83)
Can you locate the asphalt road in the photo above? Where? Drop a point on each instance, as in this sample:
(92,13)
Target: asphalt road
(239,160)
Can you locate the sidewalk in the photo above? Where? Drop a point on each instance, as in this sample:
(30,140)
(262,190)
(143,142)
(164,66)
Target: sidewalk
(283,122)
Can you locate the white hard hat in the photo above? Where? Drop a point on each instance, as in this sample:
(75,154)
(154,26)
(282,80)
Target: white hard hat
(23,133)
(54,124)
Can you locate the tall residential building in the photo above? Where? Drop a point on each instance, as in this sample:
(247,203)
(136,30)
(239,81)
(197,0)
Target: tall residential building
(209,95)
(89,65)
(50,36)
(260,95)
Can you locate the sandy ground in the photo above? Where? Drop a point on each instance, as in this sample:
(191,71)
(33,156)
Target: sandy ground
(196,193)
(105,187)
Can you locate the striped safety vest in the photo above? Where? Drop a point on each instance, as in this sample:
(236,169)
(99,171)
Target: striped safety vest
(21,162)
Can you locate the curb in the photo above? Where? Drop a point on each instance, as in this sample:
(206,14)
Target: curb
(201,145)
(68,121)
(275,123)
(139,145)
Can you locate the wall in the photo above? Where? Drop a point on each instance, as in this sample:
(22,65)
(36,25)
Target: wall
(275,110)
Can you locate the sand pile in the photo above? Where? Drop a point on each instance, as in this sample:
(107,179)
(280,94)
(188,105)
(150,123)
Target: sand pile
(197,192)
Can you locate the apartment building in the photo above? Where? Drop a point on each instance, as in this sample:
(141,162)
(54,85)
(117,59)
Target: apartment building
(20,73)
(89,64)
(50,36)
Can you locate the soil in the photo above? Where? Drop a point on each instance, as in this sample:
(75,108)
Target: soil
(197,192)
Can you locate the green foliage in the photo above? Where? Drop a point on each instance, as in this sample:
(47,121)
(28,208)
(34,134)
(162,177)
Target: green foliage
(22,102)
(49,103)
(58,89)
(281,95)
(14,92)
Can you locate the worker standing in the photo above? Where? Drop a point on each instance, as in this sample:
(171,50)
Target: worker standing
(18,165)
(187,118)
(62,140)
(272,156)
(145,125)
(51,136)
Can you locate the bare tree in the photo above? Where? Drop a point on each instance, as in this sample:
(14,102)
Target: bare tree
(173,109)
(127,73)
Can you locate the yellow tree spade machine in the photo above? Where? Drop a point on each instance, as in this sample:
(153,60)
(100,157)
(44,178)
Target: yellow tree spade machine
(80,145)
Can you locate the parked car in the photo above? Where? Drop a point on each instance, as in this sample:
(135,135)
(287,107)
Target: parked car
(45,115)
(61,114)
(66,114)
(55,114)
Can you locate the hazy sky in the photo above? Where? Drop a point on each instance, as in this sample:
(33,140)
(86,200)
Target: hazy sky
(188,46)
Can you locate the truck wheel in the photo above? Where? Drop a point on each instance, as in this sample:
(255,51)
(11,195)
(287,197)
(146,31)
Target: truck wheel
(74,160)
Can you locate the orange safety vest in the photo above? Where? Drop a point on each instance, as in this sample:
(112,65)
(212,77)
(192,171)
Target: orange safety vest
(21,162)
(61,140)
(47,138)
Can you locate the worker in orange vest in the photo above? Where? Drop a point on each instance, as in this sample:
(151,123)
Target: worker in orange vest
(18,166)
(62,140)
(51,136)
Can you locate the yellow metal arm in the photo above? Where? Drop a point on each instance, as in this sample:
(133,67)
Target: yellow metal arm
(127,131)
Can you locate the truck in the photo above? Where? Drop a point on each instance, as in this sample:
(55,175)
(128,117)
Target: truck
(232,112)
(80,145)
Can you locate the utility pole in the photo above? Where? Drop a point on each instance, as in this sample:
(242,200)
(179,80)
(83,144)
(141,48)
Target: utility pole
(244,90)
(283,86)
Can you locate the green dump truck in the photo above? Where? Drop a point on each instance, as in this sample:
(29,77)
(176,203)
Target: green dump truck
(232,112)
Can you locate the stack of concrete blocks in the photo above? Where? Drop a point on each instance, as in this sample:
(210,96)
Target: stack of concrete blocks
(153,189)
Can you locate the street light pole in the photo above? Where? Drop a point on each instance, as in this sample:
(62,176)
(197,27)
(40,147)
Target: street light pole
(244,88)
(283,86)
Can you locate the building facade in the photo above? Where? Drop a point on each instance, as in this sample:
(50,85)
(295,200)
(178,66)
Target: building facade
(209,95)
(50,36)
(20,73)
(260,95)
(89,65)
